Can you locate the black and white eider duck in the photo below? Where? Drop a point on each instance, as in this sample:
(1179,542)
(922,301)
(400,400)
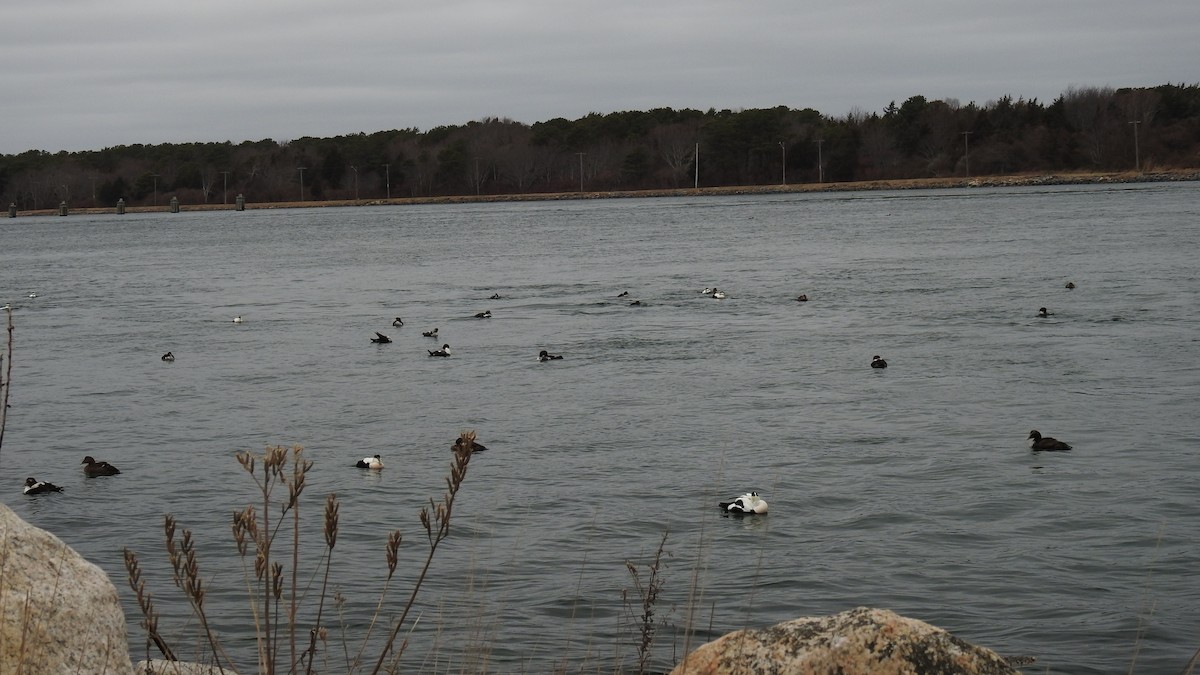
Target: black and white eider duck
(486,314)
(878,362)
(373,463)
(168,357)
(1070,285)
(94,468)
(707,291)
(547,356)
(1043,313)
(749,503)
(380,338)
(622,294)
(34,486)
(494,296)
(802,298)
(718,294)
(1039,443)
(397,322)
(476,446)
(430,333)
(444,351)
(237,319)
(636,303)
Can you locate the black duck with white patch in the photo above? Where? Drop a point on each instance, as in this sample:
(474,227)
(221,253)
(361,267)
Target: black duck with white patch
(34,486)
(93,468)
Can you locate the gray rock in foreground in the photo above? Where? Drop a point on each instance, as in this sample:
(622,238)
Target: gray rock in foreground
(58,612)
(860,641)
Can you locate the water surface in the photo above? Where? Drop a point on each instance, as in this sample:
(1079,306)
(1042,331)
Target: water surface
(910,488)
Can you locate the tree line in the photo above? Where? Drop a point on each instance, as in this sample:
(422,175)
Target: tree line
(1084,129)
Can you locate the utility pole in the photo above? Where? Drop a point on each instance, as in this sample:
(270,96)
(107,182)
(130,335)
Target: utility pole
(301,169)
(697,163)
(387,172)
(820,164)
(783,148)
(967,152)
(1137,160)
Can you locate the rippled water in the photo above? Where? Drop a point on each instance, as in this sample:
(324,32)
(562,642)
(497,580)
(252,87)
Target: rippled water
(910,488)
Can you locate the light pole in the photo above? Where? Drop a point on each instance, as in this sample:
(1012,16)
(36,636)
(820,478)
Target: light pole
(1137,160)
(387,180)
(967,152)
(581,154)
(820,164)
(355,170)
(301,169)
(783,165)
(225,193)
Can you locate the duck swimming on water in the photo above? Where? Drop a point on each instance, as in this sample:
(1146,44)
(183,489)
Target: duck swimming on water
(444,351)
(749,503)
(430,333)
(34,486)
(878,362)
(475,445)
(547,356)
(373,463)
(1039,443)
(168,357)
(380,338)
(95,468)
(397,322)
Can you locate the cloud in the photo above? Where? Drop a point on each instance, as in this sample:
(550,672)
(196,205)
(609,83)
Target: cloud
(84,74)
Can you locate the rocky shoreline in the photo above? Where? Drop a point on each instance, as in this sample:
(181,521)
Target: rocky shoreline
(1040,179)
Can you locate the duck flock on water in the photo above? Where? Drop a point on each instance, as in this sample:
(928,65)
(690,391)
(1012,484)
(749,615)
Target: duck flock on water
(747,504)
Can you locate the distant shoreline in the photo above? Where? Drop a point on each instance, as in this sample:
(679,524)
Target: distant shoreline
(1071,178)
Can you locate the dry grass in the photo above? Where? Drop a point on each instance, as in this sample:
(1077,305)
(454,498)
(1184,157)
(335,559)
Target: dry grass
(6,373)
(647,591)
(271,565)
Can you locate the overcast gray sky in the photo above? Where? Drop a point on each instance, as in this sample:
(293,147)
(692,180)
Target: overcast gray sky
(88,74)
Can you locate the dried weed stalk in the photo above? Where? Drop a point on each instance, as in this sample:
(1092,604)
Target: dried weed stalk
(6,377)
(271,585)
(647,597)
